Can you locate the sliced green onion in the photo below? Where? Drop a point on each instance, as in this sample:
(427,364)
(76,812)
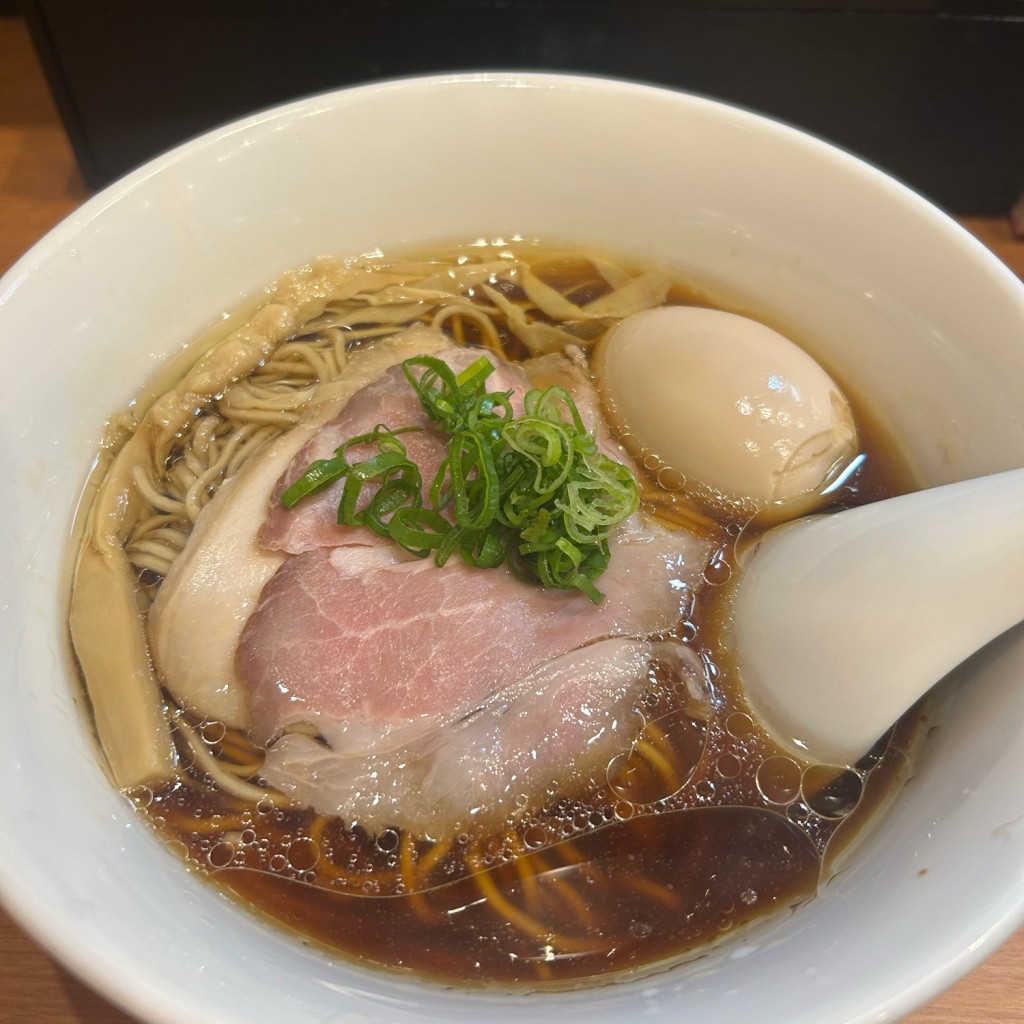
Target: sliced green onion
(320,475)
(419,530)
(474,480)
(531,492)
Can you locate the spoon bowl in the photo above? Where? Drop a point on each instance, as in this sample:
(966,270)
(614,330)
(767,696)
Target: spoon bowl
(844,621)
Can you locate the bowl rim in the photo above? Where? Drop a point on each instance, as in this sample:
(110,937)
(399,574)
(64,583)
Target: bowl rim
(19,900)
(114,192)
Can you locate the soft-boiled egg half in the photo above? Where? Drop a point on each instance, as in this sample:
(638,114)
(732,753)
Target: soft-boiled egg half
(739,414)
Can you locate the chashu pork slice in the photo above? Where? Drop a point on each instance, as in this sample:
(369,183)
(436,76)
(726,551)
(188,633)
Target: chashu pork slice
(374,652)
(365,667)
(550,734)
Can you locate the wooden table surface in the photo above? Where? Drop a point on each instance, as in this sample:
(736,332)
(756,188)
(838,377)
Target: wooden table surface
(39,185)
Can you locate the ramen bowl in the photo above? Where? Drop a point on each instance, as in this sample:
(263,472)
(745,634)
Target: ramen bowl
(896,300)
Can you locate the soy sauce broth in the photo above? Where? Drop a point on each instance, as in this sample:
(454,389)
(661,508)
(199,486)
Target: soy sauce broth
(705,826)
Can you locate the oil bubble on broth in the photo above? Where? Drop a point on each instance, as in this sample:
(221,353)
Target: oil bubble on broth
(606,803)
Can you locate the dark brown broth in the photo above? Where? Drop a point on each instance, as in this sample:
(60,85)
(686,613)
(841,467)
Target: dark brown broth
(702,828)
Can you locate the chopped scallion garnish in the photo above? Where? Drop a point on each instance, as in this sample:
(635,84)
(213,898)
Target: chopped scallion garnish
(532,491)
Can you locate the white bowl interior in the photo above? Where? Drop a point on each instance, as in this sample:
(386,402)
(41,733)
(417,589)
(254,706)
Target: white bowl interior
(895,299)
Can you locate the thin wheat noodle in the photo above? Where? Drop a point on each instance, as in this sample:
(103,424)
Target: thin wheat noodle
(226,780)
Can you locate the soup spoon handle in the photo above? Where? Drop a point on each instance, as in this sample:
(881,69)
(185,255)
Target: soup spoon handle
(843,621)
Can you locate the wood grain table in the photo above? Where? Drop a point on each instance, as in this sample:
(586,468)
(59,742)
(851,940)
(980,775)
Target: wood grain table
(39,185)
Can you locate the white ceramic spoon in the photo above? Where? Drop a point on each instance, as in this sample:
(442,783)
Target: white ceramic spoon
(843,621)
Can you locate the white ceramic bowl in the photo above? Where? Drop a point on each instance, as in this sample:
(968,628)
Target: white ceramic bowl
(899,301)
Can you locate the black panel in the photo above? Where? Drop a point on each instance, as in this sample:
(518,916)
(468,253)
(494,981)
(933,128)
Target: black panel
(931,91)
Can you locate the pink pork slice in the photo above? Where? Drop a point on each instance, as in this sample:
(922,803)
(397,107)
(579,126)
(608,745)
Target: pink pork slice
(375,652)
(378,652)
(552,733)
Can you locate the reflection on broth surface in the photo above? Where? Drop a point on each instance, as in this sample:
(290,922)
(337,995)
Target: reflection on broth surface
(597,799)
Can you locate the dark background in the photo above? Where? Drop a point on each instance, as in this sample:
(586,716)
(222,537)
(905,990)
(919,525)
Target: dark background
(930,90)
